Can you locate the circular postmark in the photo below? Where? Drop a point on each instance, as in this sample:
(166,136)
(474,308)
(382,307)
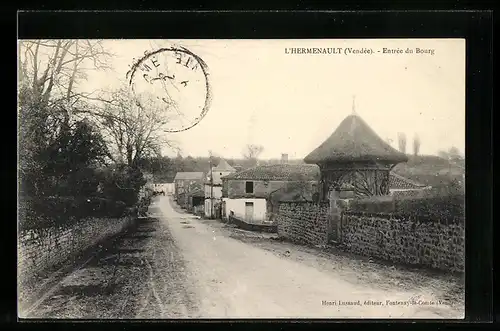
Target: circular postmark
(173,80)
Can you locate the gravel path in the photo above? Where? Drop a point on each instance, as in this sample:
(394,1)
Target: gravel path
(175,265)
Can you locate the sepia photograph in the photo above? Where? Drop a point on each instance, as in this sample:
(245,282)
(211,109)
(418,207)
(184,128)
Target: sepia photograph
(241,178)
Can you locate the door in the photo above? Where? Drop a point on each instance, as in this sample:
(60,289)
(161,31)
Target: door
(248,212)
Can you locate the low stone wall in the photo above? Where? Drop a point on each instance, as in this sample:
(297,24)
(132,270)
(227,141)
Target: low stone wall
(430,244)
(40,250)
(271,228)
(303,222)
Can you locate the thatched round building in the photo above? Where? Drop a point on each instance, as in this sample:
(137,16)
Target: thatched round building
(354,155)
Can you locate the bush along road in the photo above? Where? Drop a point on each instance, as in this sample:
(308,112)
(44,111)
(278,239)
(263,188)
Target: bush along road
(174,265)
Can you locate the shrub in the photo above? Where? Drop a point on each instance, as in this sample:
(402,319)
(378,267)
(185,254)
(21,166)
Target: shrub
(447,209)
(53,211)
(122,183)
(437,208)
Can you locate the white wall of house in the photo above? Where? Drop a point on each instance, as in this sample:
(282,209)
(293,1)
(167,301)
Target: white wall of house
(217,196)
(219,174)
(217,191)
(238,207)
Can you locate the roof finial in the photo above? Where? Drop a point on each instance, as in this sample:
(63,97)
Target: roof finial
(353,105)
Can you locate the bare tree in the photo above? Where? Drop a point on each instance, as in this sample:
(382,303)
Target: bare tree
(53,68)
(416,144)
(252,152)
(49,74)
(402,142)
(133,126)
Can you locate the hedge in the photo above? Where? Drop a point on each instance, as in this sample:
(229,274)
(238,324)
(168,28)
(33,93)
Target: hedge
(439,208)
(51,211)
(447,209)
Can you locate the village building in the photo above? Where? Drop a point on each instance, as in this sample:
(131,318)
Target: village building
(165,188)
(184,184)
(354,163)
(399,185)
(195,202)
(249,194)
(213,189)
(354,157)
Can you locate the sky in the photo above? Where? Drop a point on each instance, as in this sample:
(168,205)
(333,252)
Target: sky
(290,103)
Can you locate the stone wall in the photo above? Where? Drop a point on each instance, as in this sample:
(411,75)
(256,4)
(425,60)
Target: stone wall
(407,241)
(430,244)
(303,222)
(40,250)
(250,226)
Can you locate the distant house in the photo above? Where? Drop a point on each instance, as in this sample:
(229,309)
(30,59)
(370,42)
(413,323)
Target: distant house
(195,201)
(167,188)
(186,182)
(248,194)
(399,185)
(213,188)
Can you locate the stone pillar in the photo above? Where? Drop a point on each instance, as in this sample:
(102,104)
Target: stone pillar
(334,216)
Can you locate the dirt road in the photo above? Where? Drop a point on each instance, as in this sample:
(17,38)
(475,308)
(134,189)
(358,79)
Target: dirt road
(177,266)
(235,279)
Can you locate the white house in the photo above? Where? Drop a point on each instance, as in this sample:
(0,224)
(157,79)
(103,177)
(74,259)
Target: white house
(250,194)
(213,187)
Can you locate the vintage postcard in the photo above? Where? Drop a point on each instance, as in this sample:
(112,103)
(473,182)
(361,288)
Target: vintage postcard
(198,179)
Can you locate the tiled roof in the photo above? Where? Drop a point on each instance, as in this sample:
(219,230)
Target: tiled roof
(308,172)
(397,182)
(189,175)
(279,172)
(354,140)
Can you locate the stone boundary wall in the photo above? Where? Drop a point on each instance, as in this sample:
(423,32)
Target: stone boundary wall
(429,244)
(303,222)
(45,248)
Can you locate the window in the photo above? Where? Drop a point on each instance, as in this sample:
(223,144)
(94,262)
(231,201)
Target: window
(249,187)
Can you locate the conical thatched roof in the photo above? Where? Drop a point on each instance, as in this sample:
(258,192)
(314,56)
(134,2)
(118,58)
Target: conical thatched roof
(354,141)
(224,166)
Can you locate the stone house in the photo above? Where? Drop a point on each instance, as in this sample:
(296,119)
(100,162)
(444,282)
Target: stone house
(213,189)
(186,182)
(249,194)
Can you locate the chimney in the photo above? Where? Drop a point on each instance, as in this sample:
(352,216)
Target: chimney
(284,158)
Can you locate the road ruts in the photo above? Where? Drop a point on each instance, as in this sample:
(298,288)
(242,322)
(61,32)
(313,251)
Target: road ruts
(140,275)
